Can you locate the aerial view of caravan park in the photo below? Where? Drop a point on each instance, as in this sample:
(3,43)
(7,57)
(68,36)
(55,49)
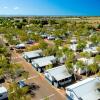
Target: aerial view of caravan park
(49,49)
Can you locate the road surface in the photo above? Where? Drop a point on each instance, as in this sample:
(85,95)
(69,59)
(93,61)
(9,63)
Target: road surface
(45,88)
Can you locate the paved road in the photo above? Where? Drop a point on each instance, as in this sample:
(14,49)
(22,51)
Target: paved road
(45,89)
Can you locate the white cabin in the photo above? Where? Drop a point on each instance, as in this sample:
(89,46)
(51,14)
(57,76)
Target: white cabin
(3,93)
(88,89)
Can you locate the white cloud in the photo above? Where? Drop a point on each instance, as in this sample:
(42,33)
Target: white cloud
(15,8)
(5,7)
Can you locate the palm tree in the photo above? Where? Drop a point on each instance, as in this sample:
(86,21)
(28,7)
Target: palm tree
(94,39)
(85,54)
(43,45)
(81,45)
(3,50)
(50,51)
(17,93)
(93,67)
(81,65)
(97,58)
(46,98)
(69,66)
(98,74)
(25,74)
(49,66)
(1,73)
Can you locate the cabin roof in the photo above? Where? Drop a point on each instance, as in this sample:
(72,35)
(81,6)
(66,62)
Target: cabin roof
(44,61)
(59,72)
(88,89)
(32,54)
(3,90)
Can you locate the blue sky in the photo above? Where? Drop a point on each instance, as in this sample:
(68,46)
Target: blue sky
(50,7)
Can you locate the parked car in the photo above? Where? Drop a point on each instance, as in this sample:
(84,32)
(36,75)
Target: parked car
(30,42)
(51,37)
(22,84)
(44,36)
(20,46)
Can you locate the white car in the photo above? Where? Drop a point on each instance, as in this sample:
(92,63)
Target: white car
(51,37)
(20,46)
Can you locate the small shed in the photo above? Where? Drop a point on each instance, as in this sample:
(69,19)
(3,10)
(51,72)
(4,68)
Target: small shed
(40,63)
(3,93)
(86,62)
(92,50)
(58,76)
(73,47)
(29,56)
(73,40)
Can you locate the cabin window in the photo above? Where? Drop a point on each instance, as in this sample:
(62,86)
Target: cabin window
(98,89)
(80,98)
(72,95)
(48,75)
(1,95)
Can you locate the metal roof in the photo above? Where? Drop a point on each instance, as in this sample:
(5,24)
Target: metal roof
(32,54)
(59,73)
(73,46)
(91,49)
(87,61)
(73,39)
(87,89)
(3,90)
(44,61)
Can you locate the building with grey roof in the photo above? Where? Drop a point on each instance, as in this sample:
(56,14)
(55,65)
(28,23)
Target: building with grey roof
(58,76)
(88,89)
(41,63)
(29,56)
(83,69)
(3,93)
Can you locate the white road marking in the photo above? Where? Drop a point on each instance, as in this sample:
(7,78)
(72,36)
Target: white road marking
(31,78)
(19,61)
(15,57)
(48,96)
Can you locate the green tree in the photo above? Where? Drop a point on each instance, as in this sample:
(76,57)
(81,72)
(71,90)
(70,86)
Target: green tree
(94,38)
(43,45)
(97,58)
(93,67)
(58,42)
(49,66)
(17,93)
(81,45)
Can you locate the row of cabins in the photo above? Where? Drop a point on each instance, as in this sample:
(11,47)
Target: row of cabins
(86,62)
(41,63)
(90,47)
(88,89)
(58,75)
(29,56)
